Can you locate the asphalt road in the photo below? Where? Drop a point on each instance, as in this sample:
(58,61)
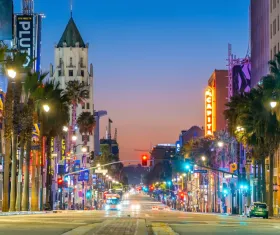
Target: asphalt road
(135,221)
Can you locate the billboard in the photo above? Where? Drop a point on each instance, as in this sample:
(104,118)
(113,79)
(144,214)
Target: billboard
(6,19)
(241,78)
(24,35)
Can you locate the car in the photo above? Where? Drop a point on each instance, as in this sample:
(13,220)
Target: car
(258,209)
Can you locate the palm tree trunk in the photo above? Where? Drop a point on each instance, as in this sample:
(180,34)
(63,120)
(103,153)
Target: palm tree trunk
(271,173)
(16,111)
(29,128)
(6,183)
(34,188)
(259,189)
(263,181)
(25,200)
(8,118)
(19,182)
(13,173)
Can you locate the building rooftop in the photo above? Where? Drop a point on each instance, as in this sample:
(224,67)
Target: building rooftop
(71,36)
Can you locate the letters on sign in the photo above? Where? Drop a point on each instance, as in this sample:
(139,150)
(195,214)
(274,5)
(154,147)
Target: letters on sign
(208,112)
(25,37)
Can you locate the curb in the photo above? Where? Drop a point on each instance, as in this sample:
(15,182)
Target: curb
(23,213)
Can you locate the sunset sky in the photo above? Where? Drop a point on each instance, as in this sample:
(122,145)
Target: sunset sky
(152,59)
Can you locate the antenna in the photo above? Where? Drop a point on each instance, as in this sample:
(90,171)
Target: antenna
(71,8)
(27,7)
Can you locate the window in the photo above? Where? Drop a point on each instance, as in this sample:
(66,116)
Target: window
(270,54)
(83,105)
(82,73)
(59,73)
(82,62)
(274,27)
(278,46)
(271,31)
(274,51)
(87,105)
(71,61)
(278,22)
(270,6)
(274,4)
(70,73)
(60,61)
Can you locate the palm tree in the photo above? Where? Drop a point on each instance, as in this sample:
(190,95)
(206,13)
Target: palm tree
(76,92)
(86,123)
(8,126)
(33,90)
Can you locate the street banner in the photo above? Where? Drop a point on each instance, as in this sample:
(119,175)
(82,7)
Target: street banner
(76,166)
(61,170)
(1,109)
(24,26)
(200,171)
(6,20)
(35,137)
(83,176)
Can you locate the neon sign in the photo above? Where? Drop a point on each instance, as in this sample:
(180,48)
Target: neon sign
(208,112)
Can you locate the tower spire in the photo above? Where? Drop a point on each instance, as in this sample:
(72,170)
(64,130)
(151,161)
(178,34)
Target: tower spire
(71,8)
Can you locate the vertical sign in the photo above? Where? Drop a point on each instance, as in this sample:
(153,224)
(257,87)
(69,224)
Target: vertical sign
(208,112)
(63,149)
(43,151)
(52,145)
(25,37)
(1,108)
(6,19)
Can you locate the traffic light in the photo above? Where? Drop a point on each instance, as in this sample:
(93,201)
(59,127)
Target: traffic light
(59,182)
(182,196)
(188,165)
(144,160)
(88,194)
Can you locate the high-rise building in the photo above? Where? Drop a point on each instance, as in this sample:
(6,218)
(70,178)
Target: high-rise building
(71,64)
(274,32)
(259,21)
(215,99)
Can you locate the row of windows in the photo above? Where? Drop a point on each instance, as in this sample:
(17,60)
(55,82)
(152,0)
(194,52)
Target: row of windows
(274,27)
(85,105)
(273,4)
(274,52)
(71,73)
(71,61)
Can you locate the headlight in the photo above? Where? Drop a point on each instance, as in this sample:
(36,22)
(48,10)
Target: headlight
(107,207)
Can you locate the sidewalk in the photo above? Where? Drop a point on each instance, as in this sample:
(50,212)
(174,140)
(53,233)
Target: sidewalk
(24,213)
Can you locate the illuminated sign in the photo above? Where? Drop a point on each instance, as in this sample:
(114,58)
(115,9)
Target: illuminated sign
(63,149)
(208,112)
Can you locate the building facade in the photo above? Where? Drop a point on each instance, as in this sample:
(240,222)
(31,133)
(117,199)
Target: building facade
(71,64)
(259,21)
(274,32)
(215,99)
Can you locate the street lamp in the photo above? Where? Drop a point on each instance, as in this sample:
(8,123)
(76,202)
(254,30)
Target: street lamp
(273,104)
(84,149)
(220,144)
(203,158)
(46,108)
(65,128)
(74,137)
(12,73)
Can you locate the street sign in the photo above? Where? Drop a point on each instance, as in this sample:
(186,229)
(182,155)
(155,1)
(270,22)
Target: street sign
(101,171)
(200,171)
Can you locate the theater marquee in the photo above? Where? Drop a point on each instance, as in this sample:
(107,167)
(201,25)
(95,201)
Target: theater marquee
(208,112)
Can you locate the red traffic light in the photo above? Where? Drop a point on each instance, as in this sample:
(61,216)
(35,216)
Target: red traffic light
(144,160)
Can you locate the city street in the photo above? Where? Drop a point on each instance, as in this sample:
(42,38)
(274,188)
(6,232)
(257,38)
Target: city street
(138,222)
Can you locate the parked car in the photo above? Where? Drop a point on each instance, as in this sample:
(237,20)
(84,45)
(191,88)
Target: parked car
(258,209)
